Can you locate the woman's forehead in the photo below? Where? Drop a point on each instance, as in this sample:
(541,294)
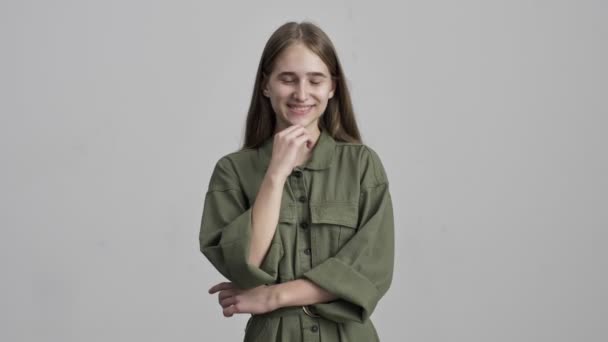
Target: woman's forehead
(302,71)
(299,60)
(309,74)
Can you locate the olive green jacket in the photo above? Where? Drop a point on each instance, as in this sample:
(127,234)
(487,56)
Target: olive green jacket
(335,229)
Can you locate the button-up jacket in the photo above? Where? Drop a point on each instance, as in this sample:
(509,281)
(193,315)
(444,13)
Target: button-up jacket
(335,229)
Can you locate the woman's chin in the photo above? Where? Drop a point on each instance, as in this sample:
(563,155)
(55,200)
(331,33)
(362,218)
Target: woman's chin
(290,120)
(300,121)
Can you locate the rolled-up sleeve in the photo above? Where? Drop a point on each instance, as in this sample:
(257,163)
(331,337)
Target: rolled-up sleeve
(362,270)
(225,232)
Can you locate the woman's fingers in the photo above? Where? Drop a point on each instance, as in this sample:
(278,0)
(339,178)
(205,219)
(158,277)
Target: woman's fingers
(221,286)
(226,293)
(300,137)
(230,310)
(292,132)
(289,129)
(225,302)
(285,133)
(303,139)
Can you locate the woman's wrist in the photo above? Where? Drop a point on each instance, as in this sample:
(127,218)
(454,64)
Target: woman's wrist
(298,292)
(277,296)
(275,178)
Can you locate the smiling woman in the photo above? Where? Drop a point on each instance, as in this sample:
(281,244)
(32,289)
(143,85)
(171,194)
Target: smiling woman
(300,220)
(299,86)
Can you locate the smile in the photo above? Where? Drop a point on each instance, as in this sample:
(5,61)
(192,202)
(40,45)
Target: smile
(300,109)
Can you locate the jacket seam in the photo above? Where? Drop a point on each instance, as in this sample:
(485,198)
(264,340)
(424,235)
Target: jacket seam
(222,190)
(374,186)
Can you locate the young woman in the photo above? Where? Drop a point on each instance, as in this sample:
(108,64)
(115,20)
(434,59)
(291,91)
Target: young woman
(300,220)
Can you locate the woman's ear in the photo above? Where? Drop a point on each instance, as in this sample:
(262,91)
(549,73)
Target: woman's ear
(265,91)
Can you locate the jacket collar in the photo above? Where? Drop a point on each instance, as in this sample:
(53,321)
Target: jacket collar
(322,153)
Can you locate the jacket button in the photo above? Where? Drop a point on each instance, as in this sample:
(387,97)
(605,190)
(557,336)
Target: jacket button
(304,225)
(302,199)
(307,251)
(314,328)
(297,173)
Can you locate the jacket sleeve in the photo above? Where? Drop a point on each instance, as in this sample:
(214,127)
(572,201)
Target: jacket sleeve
(361,272)
(225,232)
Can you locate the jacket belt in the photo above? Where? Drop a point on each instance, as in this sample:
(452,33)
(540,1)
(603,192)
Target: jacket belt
(287,311)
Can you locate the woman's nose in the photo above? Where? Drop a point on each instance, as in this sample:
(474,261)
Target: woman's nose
(301,91)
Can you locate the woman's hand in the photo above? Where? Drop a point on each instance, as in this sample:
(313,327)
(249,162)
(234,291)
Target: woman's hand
(289,147)
(233,300)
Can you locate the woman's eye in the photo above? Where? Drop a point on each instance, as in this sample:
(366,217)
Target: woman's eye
(289,81)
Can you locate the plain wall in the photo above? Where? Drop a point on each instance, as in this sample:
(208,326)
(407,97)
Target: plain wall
(489,116)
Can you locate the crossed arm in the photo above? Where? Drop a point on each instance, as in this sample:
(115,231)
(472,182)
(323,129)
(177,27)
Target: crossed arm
(266,298)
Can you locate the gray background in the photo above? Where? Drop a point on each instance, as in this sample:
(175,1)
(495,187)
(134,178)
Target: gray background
(488,116)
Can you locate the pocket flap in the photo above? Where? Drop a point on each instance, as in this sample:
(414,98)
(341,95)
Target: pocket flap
(345,214)
(287,214)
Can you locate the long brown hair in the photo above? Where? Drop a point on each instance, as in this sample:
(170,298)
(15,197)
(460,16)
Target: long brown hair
(338,119)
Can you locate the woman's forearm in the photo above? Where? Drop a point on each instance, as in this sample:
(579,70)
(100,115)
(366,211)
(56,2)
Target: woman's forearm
(265,217)
(300,292)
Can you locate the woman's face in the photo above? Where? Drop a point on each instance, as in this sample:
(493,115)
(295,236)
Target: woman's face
(299,88)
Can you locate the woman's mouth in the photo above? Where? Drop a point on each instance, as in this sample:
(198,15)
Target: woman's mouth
(300,110)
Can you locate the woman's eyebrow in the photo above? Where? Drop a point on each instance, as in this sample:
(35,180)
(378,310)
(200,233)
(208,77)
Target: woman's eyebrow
(291,73)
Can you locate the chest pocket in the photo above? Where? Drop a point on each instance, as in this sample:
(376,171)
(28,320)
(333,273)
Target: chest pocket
(287,214)
(339,218)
